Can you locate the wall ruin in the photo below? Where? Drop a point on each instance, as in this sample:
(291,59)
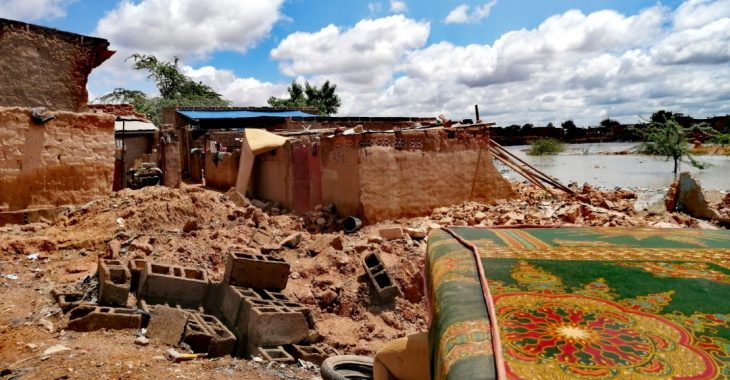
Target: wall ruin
(67,160)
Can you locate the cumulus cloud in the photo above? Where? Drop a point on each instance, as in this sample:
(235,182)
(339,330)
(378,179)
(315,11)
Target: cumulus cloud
(189,27)
(241,91)
(366,54)
(397,6)
(462,15)
(572,66)
(32,10)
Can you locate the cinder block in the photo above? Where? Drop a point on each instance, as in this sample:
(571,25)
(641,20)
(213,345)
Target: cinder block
(90,318)
(114,282)
(174,284)
(205,333)
(273,354)
(67,300)
(312,354)
(270,325)
(136,267)
(379,277)
(231,297)
(256,271)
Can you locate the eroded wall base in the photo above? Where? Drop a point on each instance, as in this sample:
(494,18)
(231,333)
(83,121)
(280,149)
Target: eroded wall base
(68,160)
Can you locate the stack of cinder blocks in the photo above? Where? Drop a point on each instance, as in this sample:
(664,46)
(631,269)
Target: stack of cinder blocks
(246,315)
(263,319)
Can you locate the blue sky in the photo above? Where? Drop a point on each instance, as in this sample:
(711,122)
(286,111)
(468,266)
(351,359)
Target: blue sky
(522,61)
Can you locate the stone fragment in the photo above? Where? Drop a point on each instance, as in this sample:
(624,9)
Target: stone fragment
(391,233)
(324,241)
(416,233)
(292,241)
(167,324)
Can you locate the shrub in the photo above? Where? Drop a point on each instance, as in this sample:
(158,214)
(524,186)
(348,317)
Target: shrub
(545,146)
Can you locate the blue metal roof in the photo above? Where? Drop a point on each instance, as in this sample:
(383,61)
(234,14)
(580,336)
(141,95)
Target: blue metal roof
(203,115)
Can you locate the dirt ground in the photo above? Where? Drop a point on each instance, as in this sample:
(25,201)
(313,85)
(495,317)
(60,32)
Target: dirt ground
(197,227)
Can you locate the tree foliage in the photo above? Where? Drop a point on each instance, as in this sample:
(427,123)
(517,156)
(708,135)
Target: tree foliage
(323,98)
(176,90)
(545,146)
(667,138)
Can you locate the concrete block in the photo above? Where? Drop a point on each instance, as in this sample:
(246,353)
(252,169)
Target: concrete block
(136,267)
(171,283)
(275,354)
(270,325)
(167,324)
(205,333)
(231,297)
(312,354)
(89,318)
(256,271)
(67,300)
(379,277)
(114,282)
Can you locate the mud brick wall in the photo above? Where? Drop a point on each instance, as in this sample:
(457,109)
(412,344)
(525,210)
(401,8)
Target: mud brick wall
(68,160)
(45,67)
(389,176)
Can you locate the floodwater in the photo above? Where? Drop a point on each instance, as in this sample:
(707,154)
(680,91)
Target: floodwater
(583,163)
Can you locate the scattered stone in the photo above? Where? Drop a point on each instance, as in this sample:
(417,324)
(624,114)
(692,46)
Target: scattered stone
(292,241)
(55,349)
(324,241)
(141,341)
(47,325)
(391,233)
(416,233)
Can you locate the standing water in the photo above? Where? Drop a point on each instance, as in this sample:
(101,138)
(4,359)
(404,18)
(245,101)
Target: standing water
(594,164)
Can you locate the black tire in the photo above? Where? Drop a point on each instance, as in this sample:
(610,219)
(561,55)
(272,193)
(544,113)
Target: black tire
(347,367)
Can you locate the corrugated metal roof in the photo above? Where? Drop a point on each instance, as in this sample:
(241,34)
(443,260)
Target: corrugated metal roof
(134,126)
(203,115)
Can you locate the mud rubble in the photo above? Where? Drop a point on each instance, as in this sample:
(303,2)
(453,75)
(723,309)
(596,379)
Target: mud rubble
(197,227)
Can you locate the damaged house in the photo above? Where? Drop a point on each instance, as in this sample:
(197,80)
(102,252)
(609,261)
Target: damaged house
(372,168)
(54,151)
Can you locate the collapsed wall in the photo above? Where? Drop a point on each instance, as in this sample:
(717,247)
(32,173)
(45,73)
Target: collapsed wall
(406,174)
(67,160)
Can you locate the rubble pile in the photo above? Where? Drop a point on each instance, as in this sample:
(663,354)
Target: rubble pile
(534,206)
(363,288)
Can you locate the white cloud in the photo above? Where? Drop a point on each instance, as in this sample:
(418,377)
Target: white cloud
(461,15)
(188,28)
(397,6)
(366,54)
(32,10)
(241,91)
(696,13)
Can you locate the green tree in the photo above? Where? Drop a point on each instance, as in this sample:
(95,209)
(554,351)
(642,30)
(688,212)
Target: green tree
(667,138)
(176,90)
(323,98)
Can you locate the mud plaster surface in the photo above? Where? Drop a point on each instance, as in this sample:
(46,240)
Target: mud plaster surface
(68,160)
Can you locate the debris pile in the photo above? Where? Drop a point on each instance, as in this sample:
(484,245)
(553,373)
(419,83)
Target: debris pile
(362,288)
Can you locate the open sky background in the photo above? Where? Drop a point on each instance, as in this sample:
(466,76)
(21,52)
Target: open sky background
(522,61)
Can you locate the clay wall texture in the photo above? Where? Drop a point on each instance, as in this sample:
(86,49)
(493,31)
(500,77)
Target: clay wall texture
(68,160)
(221,173)
(42,67)
(394,175)
(384,175)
